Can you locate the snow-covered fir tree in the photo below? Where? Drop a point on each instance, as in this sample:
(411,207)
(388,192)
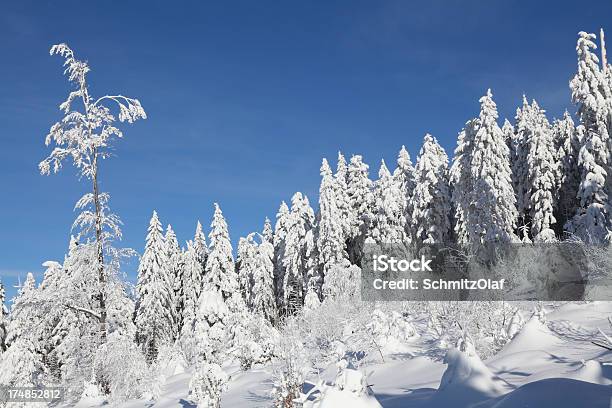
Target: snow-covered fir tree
(267,232)
(461,181)
(519,166)
(589,88)
(280,233)
(330,234)
(21,364)
(192,283)
(482,180)
(567,146)
(431,200)
(154,317)
(361,202)
(542,172)
(199,245)
(295,260)
(341,194)
(388,225)
(220,301)
(21,310)
(404,176)
(175,259)
(220,269)
(264,302)
(246,265)
(313,276)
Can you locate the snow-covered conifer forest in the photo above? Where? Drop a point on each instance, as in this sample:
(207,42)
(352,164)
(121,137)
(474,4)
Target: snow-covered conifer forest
(278,321)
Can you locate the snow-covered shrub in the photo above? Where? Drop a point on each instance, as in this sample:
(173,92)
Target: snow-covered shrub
(254,343)
(207,384)
(291,365)
(350,389)
(486,323)
(342,281)
(390,327)
(125,370)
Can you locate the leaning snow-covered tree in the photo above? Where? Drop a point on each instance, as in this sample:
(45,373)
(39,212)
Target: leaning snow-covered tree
(154,311)
(431,198)
(85,135)
(592,221)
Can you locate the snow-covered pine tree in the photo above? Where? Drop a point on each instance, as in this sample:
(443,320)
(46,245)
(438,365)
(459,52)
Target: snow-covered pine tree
(461,181)
(267,232)
(361,201)
(3,319)
(21,310)
(295,260)
(510,138)
(542,170)
(431,200)
(175,269)
(280,233)
(246,265)
(220,269)
(86,137)
(264,301)
(483,180)
(330,234)
(589,89)
(154,317)
(193,275)
(520,167)
(199,245)
(388,224)
(313,275)
(220,305)
(508,131)
(21,364)
(568,176)
(342,198)
(404,176)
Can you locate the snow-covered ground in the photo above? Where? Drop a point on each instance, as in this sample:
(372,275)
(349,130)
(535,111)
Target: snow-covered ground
(552,364)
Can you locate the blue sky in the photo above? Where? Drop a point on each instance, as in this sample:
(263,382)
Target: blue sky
(245,98)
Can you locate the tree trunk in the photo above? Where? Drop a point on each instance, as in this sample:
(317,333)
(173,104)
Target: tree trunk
(99,252)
